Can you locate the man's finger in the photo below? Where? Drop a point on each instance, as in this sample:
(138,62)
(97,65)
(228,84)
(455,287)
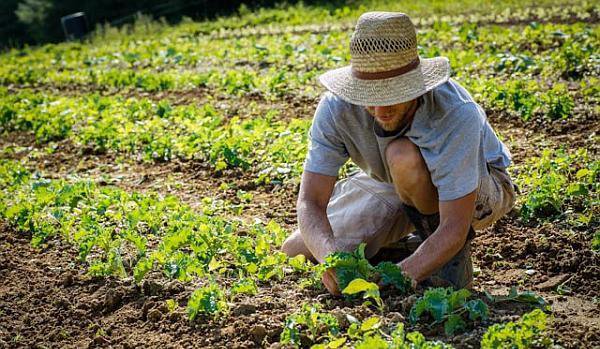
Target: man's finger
(330,282)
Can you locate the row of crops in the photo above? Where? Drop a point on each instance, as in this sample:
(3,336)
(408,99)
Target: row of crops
(94,95)
(526,72)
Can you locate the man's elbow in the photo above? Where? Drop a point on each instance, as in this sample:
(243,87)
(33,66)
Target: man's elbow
(308,205)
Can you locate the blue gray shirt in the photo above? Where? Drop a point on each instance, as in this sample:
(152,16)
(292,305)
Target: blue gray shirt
(450,129)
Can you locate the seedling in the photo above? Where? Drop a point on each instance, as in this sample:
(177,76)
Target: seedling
(208,300)
(449,308)
(527,332)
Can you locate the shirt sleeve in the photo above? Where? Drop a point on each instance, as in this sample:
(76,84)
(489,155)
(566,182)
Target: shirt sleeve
(455,160)
(326,151)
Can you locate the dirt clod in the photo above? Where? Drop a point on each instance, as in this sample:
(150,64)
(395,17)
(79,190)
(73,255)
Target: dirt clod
(244,309)
(154,315)
(151,288)
(112,299)
(258,332)
(68,278)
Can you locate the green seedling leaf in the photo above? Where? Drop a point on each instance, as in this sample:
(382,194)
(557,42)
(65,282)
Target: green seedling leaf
(453,324)
(336,343)
(209,300)
(435,301)
(477,309)
(359,285)
(371,323)
(458,298)
(391,274)
(370,289)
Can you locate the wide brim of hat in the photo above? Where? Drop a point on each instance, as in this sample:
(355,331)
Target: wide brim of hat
(430,73)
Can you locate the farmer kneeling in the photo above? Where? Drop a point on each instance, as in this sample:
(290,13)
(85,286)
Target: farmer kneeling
(430,161)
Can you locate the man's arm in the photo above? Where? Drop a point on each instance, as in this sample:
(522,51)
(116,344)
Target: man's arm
(315,192)
(438,249)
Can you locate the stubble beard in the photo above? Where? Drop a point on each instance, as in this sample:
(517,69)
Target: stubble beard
(389,126)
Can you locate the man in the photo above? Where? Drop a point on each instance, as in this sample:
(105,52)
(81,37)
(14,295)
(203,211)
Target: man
(430,161)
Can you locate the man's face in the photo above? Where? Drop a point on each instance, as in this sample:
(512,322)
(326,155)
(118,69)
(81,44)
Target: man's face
(390,117)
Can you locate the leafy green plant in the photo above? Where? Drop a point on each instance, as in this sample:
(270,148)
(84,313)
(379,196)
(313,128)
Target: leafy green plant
(370,333)
(515,296)
(353,265)
(368,289)
(448,307)
(527,332)
(310,322)
(558,182)
(208,300)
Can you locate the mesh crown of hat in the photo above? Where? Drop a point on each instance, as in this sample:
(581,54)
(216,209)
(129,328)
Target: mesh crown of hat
(383,41)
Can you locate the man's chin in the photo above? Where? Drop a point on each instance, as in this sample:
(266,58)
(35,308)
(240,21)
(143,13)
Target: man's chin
(387,126)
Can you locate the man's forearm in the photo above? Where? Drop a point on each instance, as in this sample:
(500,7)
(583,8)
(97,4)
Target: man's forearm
(435,251)
(316,230)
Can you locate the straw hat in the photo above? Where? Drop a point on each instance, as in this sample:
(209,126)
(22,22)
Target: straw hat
(385,67)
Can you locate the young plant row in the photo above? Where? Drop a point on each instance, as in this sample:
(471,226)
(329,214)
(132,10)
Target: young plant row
(273,150)
(314,328)
(540,53)
(280,21)
(561,184)
(452,310)
(544,48)
(129,235)
(554,185)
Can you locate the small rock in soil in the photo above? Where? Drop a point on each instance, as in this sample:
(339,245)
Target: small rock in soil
(275,332)
(176,316)
(174,287)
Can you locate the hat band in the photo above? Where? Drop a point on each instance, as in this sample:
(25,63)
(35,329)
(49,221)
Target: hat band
(386,74)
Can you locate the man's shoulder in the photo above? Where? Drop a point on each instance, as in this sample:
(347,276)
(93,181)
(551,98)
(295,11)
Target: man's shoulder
(334,103)
(451,100)
(336,110)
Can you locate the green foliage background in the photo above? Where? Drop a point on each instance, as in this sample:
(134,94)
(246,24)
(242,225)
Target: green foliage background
(38,21)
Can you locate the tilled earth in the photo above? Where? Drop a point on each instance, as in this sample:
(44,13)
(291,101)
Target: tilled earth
(46,299)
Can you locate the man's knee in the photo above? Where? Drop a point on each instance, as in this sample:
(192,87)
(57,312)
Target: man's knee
(289,246)
(404,157)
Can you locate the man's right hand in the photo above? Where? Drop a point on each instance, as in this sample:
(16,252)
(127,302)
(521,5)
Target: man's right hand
(330,281)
